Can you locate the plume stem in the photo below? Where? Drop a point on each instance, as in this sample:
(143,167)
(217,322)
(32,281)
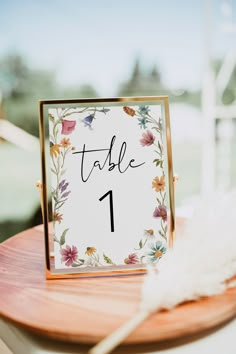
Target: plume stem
(114,339)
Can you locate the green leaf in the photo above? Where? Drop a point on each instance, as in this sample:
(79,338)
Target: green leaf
(155,128)
(63,237)
(53,171)
(157,162)
(140,244)
(107,259)
(159,202)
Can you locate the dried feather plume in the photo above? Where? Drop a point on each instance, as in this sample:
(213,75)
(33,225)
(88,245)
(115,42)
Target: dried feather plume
(202,259)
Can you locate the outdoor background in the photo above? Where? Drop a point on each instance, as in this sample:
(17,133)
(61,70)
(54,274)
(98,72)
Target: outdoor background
(75,49)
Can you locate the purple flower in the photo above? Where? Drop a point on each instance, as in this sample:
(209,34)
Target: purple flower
(88,120)
(65,194)
(147,138)
(69,255)
(64,186)
(61,183)
(131,259)
(68,126)
(160,212)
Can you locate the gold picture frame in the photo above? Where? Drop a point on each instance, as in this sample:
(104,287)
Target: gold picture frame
(52,114)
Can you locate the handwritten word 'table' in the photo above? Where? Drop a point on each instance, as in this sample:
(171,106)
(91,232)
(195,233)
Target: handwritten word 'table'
(121,166)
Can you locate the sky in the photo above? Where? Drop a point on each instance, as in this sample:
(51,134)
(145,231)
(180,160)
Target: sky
(97,41)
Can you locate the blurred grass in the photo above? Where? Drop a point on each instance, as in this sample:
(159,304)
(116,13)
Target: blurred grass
(20,170)
(187,164)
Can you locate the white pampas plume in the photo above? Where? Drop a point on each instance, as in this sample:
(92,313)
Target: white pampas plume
(201,262)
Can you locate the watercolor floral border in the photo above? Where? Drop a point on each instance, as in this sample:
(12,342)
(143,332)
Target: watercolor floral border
(153,243)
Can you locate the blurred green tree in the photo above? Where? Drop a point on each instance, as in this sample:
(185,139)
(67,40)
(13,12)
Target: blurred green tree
(149,83)
(22,87)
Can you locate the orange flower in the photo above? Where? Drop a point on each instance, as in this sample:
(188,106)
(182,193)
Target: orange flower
(90,251)
(65,142)
(129,111)
(149,232)
(159,183)
(55,150)
(57,217)
(158,254)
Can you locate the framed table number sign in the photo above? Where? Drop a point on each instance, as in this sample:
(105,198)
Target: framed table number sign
(107,181)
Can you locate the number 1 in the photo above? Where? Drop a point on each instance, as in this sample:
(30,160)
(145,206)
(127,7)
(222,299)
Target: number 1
(111,208)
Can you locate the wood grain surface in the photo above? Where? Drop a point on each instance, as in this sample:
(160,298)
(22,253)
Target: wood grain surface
(86,310)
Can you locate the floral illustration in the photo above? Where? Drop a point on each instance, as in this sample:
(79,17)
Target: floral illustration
(143,110)
(159,183)
(90,251)
(60,148)
(88,120)
(152,240)
(65,142)
(156,251)
(147,138)
(57,217)
(69,255)
(160,212)
(54,149)
(131,259)
(149,234)
(67,126)
(149,123)
(129,111)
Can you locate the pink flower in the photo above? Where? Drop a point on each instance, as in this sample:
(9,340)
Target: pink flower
(131,259)
(69,255)
(68,126)
(147,138)
(160,212)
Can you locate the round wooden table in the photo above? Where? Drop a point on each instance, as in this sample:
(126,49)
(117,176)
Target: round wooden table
(86,310)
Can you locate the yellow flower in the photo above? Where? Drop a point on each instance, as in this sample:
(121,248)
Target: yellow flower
(158,254)
(65,142)
(90,251)
(159,183)
(55,150)
(57,217)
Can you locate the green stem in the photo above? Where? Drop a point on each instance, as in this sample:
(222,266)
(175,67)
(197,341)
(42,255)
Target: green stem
(74,112)
(143,244)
